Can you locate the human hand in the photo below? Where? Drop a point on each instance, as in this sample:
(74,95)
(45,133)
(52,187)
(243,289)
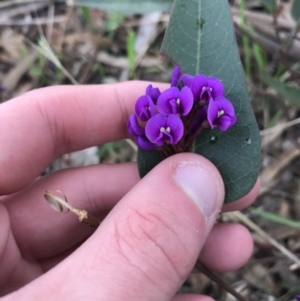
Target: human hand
(155,228)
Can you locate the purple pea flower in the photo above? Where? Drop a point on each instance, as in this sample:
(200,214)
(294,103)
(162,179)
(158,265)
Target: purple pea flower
(153,93)
(204,88)
(187,79)
(220,113)
(162,129)
(297,297)
(174,101)
(175,76)
(201,117)
(145,108)
(133,127)
(144,143)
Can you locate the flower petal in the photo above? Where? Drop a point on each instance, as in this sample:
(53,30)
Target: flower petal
(187,79)
(153,126)
(175,76)
(144,108)
(133,126)
(186,100)
(223,122)
(197,84)
(148,90)
(216,85)
(153,93)
(202,115)
(168,138)
(163,101)
(225,105)
(144,143)
(212,113)
(176,127)
(174,106)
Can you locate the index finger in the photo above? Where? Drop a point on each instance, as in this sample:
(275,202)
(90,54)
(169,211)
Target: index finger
(41,125)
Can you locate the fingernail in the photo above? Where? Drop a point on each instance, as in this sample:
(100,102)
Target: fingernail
(200,185)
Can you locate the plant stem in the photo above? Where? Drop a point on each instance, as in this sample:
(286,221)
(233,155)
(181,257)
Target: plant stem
(199,266)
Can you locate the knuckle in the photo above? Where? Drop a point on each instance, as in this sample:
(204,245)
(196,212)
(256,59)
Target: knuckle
(151,240)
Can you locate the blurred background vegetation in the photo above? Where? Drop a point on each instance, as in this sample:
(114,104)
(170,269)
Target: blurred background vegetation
(55,42)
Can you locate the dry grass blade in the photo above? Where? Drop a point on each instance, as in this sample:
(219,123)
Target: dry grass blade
(280,127)
(246,221)
(132,145)
(12,79)
(45,49)
(269,174)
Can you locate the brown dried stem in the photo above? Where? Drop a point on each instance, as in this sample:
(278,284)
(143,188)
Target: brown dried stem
(200,267)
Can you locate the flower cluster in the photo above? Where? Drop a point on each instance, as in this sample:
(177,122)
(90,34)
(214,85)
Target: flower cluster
(169,121)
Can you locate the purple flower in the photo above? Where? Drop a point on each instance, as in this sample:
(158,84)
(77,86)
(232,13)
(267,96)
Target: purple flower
(220,113)
(145,108)
(144,143)
(204,88)
(162,129)
(297,297)
(187,79)
(153,93)
(137,131)
(174,101)
(175,76)
(133,127)
(201,117)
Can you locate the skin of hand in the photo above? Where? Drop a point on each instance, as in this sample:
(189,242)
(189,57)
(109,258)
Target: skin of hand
(153,229)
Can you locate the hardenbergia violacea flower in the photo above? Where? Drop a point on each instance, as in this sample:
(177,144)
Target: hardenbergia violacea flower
(169,121)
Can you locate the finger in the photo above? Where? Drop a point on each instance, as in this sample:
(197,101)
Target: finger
(43,124)
(149,242)
(41,232)
(189,297)
(90,188)
(227,248)
(245,201)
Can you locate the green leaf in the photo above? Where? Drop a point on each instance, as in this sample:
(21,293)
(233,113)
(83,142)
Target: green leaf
(291,94)
(296,10)
(276,218)
(200,38)
(128,6)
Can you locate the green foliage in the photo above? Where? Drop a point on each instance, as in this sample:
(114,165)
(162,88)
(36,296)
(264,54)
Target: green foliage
(291,94)
(259,56)
(86,17)
(276,218)
(296,10)
(131,52)
(200,38)
(113,21)
(128,6)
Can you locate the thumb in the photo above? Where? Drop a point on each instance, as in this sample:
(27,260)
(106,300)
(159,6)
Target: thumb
(148,244)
